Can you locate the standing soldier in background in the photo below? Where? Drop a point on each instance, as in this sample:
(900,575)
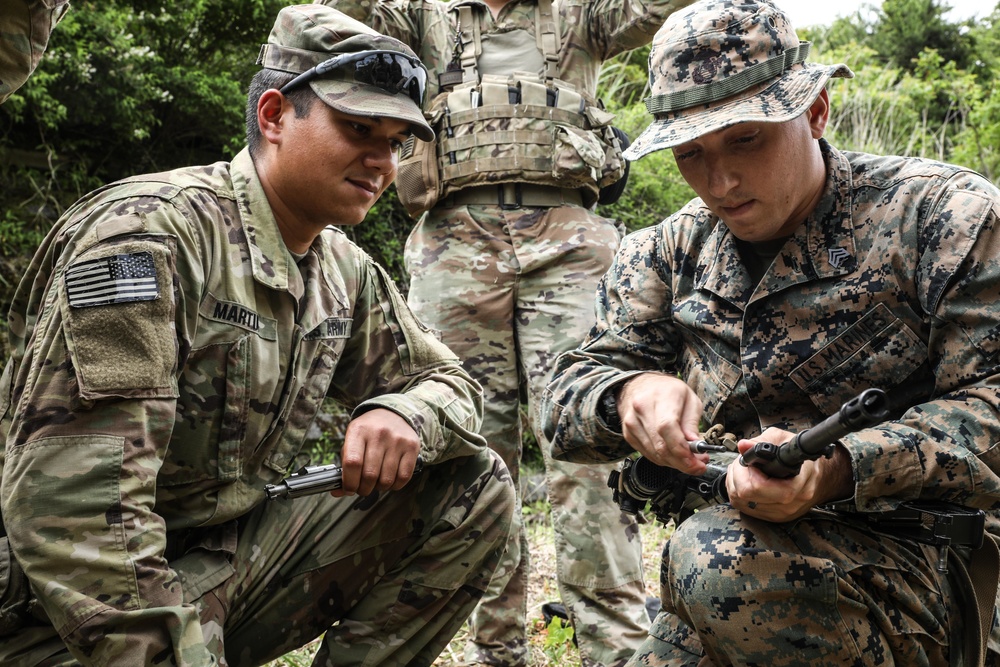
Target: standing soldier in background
(25,26)
(506,257)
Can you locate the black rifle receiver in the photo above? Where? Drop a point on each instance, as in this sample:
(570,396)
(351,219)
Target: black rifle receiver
(930,522)
(640,480)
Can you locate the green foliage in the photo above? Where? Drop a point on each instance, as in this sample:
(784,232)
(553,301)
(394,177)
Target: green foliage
(908,27)
(856,28)
(13,234)
(937,110)
(978,143)
(539,510)
(624,80)
(984,36)
(126,88)
(558,638)
(923,86)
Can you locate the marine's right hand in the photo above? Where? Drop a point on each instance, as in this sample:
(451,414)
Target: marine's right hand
(659,415)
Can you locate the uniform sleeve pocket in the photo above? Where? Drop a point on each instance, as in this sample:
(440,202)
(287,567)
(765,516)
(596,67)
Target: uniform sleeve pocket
(117,302)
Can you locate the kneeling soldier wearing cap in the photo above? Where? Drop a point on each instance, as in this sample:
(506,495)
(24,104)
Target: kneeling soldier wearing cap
(173,341)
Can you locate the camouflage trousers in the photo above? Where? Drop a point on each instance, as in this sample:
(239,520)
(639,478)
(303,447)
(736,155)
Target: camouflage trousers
(508,290)
(819,591)
(389,580)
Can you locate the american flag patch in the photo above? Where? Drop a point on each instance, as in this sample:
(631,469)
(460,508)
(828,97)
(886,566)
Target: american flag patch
(114,279)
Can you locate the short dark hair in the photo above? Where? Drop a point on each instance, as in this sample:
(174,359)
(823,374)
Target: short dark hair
(301,98)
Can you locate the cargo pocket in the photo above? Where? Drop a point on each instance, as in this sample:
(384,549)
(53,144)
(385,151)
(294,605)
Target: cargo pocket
(207,564)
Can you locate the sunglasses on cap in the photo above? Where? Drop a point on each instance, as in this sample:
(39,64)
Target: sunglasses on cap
(391,71)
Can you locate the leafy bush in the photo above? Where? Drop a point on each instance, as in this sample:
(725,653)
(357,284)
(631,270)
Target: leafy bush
(126,88)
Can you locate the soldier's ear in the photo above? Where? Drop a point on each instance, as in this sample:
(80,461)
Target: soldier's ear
(819,114)
(271,109)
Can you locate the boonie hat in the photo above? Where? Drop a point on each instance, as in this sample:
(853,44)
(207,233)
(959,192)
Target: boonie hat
(349,66)
(717,63)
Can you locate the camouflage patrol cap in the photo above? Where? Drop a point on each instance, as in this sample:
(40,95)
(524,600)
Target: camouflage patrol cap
(305,36)
(722,62)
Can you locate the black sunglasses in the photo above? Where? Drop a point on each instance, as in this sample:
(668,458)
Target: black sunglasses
(391,71)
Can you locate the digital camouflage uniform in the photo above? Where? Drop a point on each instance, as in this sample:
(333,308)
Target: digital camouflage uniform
(910,301)
(508,289)
(141,426)
(25,26)
(890,282)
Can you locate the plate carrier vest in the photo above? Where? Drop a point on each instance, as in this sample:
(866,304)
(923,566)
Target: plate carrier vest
(520,128)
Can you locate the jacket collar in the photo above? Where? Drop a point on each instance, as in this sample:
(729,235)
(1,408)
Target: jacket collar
(269,258)
(823,246)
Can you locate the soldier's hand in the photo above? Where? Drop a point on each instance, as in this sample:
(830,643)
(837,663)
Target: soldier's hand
(660,415)
(380,453)
(821,481)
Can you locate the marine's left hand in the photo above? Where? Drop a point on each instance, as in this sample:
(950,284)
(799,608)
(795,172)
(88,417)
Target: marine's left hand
(380,453)
(821,481)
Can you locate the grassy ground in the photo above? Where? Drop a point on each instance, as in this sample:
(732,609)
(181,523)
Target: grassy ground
(550,647)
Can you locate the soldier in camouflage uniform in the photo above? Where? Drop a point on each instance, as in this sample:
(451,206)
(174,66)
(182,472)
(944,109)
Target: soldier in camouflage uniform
(173,341)
(25,26)
(801,276)
(506,256)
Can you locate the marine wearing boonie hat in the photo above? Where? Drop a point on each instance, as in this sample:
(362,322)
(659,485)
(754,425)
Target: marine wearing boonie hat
(722,62)
(306,39)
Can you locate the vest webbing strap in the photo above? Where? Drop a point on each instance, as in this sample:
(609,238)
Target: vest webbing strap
(564,116)
(497,138)
(547,38)
(493,164)
(470,37)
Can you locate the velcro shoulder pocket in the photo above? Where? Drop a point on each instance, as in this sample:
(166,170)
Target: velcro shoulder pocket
(117,302)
